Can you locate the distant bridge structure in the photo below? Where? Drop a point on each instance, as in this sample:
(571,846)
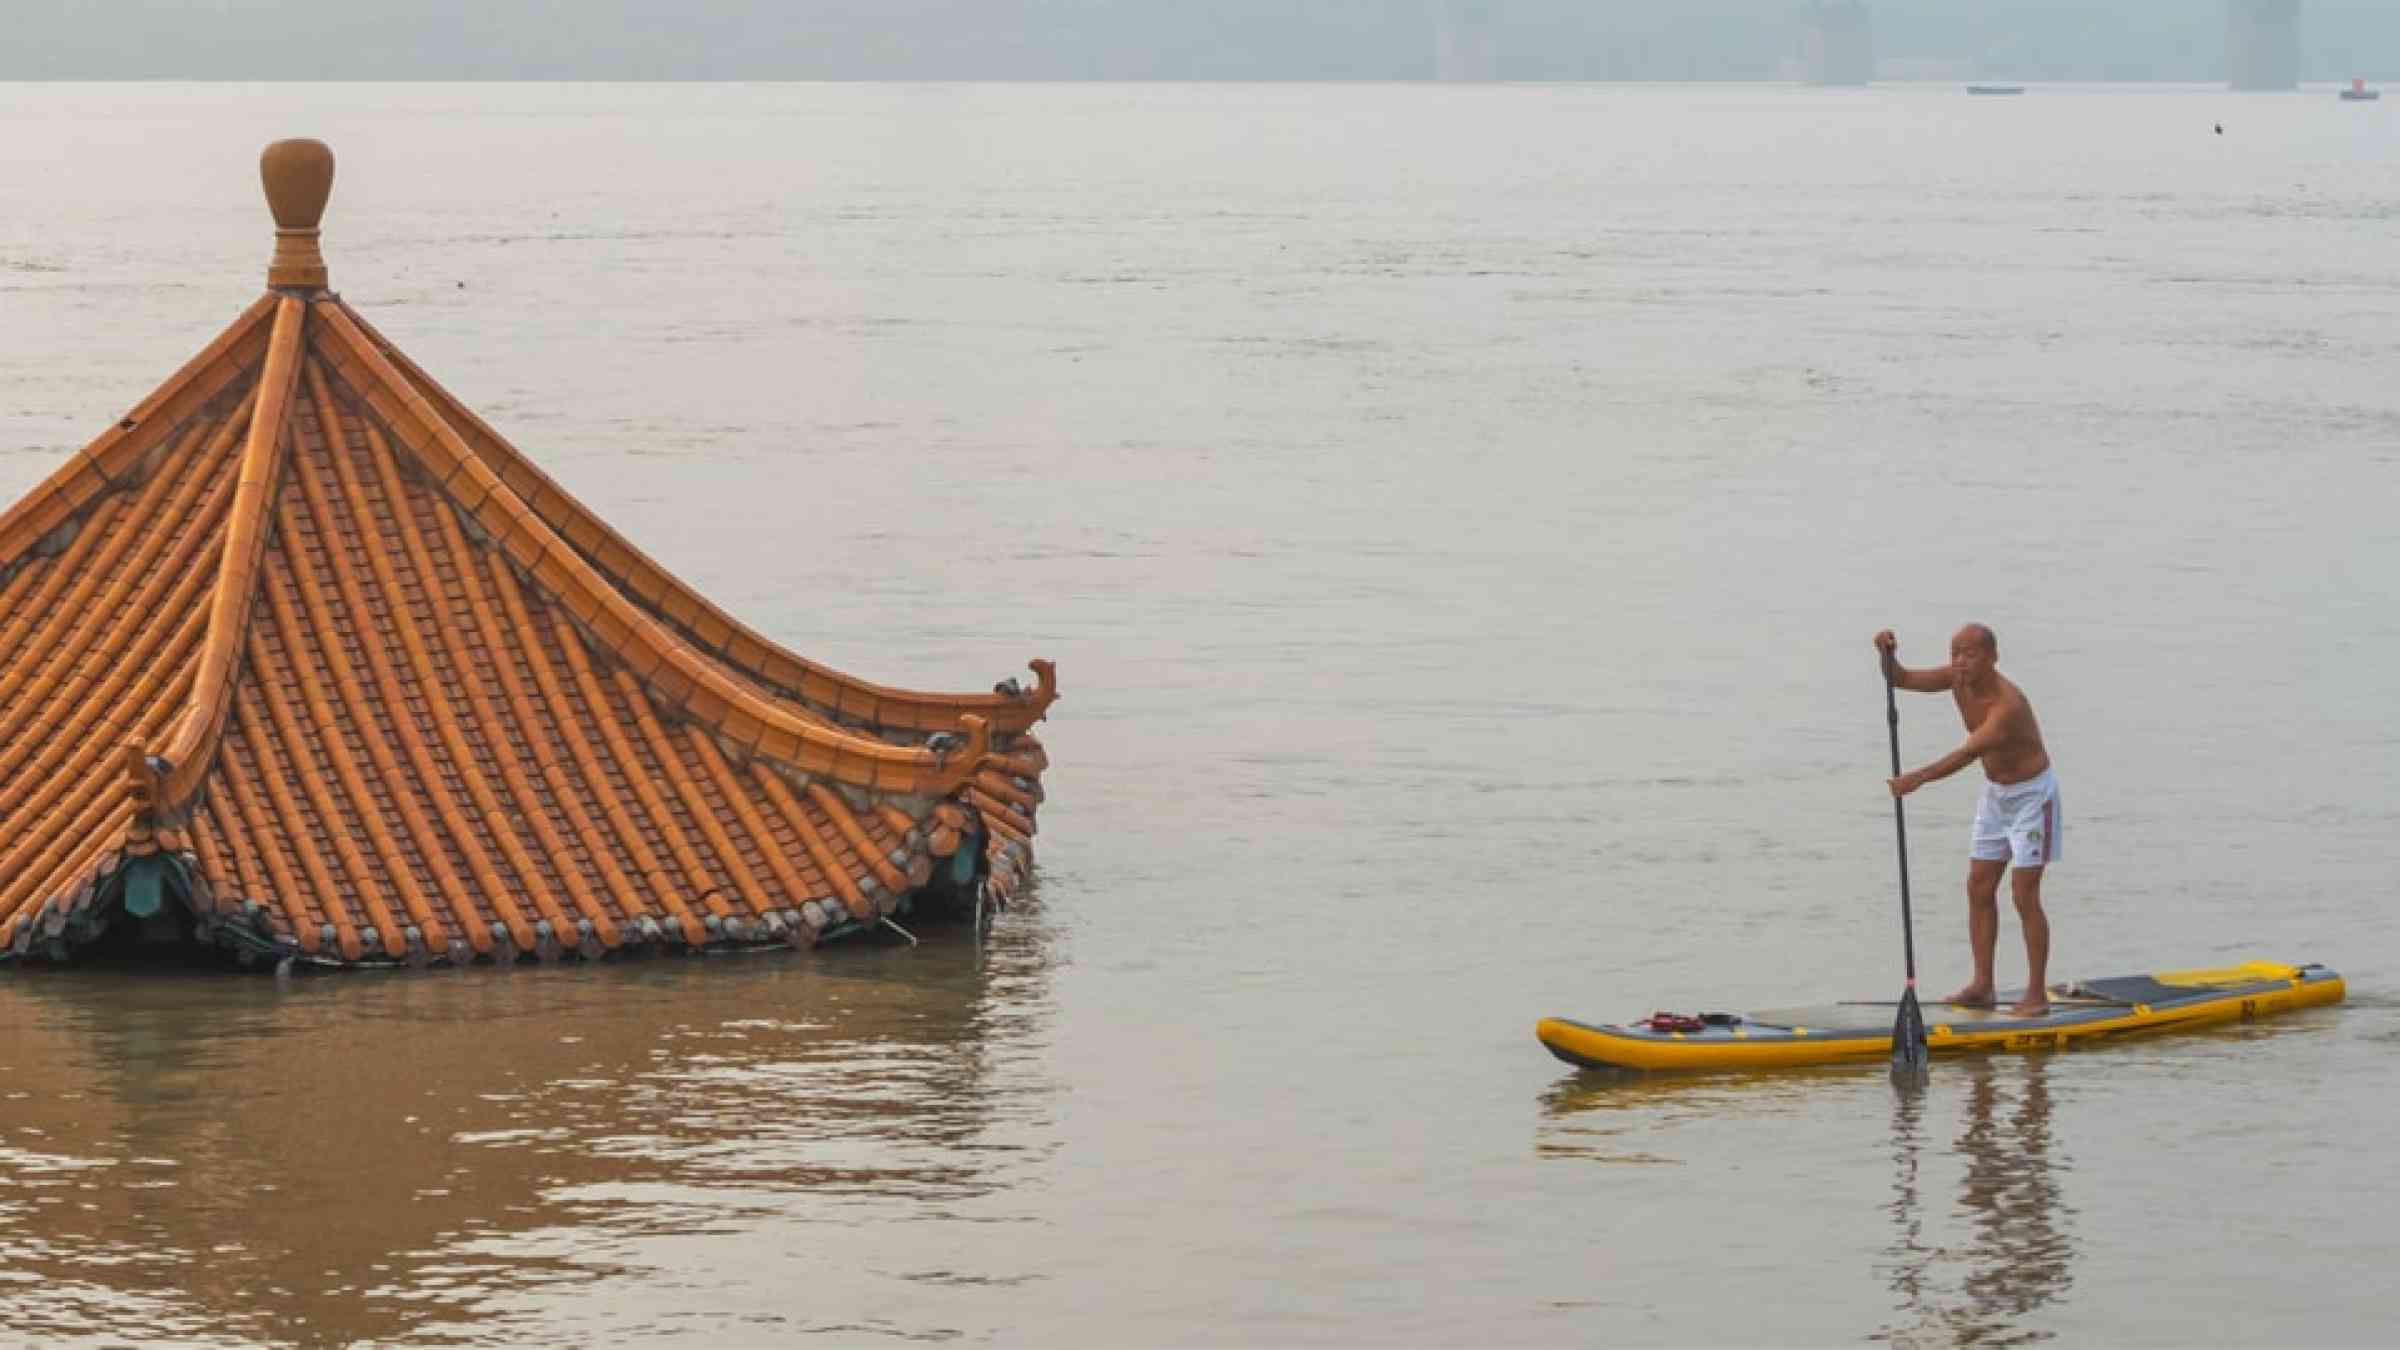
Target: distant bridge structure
(1466,42)
(2262,43)
(1840,44)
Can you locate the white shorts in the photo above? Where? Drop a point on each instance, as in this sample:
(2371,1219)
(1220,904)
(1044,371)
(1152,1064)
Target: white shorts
(2018,822)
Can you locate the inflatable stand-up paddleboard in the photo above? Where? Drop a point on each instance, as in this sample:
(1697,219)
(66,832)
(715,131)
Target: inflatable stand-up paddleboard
(2083,1012)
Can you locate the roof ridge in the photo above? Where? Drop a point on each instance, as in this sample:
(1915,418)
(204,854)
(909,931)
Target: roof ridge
(664,594)
(676,674)
(192,738)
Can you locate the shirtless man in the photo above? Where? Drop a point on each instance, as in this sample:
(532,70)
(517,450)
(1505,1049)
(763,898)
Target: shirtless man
(2017,819)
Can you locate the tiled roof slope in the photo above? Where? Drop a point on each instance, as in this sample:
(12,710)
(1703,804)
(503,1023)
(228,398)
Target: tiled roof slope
(313,649)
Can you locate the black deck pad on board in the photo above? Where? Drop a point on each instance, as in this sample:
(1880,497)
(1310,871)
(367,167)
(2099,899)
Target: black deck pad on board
(2143,989)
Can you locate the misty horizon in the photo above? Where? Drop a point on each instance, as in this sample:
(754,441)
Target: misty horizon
(1200,40)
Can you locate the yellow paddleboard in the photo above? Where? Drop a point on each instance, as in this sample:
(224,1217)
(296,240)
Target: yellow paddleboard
(2080,1013)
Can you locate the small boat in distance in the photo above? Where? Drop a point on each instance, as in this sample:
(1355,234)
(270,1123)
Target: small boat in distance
(1995,89)
(2359,93)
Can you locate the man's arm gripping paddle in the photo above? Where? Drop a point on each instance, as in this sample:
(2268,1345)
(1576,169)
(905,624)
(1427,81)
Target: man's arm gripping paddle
(1910,1057)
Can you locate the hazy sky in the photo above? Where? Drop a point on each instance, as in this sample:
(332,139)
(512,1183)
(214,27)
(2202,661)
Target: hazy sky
(1131,39)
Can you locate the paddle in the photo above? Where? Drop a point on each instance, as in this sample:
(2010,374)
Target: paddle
(1910,1058)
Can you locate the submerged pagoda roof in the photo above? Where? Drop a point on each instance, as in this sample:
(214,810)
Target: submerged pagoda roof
(302,658)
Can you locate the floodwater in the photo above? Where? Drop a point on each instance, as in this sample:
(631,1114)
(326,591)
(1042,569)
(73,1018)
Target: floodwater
(1459,515)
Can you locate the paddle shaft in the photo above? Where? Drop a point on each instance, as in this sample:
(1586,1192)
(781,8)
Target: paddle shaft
(1908,926)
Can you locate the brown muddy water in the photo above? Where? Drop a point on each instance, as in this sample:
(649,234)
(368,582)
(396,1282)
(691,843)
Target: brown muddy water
(1459,515)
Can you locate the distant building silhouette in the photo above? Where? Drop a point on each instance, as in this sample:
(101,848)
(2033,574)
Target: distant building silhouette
(1840,43)
(2262,44)
(1466,43)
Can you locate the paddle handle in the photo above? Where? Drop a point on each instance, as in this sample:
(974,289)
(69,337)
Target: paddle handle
(1891,717)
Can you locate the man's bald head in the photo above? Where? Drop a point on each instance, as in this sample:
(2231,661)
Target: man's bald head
(1974,654)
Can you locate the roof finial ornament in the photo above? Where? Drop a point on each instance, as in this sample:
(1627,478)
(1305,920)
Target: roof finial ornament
(298,176)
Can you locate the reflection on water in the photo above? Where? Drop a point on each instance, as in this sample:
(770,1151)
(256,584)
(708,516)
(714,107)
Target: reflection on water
(2017,1253)
(1978,1229)
(428,1155)
(1599,1115)
(1588,1098)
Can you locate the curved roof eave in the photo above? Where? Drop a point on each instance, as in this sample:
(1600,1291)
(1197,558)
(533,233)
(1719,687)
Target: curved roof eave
(675,672)
(700,622)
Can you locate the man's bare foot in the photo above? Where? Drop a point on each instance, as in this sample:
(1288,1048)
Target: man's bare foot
(1973,996)
(2030,1007)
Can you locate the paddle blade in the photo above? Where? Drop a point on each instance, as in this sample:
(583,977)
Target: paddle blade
(1911,1061)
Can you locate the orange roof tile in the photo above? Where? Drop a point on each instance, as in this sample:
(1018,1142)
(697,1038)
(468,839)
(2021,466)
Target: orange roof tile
(306,645)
